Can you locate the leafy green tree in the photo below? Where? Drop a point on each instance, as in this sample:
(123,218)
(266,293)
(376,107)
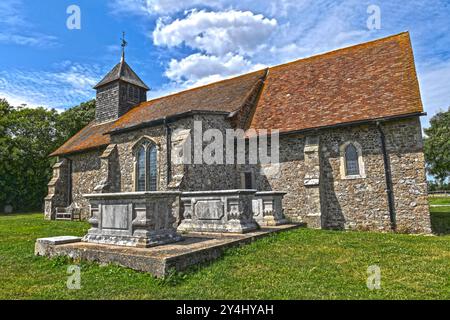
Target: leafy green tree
(74,119)
(27,137)
(437,146)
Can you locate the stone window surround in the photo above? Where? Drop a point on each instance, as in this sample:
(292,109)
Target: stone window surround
(362,172)
(135,148)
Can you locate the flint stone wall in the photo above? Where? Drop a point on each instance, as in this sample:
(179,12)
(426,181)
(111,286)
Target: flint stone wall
(86,175)
(359,203)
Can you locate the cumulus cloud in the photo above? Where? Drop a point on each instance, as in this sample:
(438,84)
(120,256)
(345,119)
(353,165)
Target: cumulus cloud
(199,69)
(154,7)
(217,33)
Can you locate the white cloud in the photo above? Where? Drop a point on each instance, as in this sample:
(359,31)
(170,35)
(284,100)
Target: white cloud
(67,85)
(153,7)
(434,80)
(10,13)
(17,30)
(217,33)
(31,39)
(199,69)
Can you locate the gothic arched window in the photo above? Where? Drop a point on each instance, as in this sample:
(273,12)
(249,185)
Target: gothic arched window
(351,160)
(146,166)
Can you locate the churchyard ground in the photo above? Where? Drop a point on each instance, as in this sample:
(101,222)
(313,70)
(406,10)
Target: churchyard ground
(298,264)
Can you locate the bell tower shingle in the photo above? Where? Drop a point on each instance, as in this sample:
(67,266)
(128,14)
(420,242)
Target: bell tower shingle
(119,91)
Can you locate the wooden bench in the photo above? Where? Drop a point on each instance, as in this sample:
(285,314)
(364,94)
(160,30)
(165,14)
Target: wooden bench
(69,213)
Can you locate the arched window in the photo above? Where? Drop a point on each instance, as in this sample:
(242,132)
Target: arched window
(351,160)
(146,167)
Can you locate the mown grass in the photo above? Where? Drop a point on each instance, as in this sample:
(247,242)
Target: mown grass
(299,264)
(439,200)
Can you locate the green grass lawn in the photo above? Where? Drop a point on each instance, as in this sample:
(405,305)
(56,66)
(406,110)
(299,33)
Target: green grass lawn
(298,264)
(440,201)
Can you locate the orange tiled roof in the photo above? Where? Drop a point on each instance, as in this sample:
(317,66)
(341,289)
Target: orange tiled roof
(90,137)
(369,81)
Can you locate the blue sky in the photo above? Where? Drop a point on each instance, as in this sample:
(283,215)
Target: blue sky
(176,44)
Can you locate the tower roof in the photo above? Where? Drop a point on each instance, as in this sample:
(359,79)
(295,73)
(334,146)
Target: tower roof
(122,71)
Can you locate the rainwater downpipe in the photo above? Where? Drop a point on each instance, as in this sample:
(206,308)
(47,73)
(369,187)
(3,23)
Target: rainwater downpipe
(388,175)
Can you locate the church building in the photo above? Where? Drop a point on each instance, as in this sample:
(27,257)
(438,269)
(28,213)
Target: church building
(350,139)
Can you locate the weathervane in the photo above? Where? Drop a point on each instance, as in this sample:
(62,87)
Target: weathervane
(123,45)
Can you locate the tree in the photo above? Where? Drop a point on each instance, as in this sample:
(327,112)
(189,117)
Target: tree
(437,146)
(74,119)
(27,137)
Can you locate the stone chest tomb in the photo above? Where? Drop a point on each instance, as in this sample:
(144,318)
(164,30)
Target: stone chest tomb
(138,219)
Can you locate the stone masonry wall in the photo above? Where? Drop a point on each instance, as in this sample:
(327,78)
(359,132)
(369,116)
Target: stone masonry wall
(214,176)
(86,175)
(358,203)
(405,148)
(354,203)
(191,177)
(126,157)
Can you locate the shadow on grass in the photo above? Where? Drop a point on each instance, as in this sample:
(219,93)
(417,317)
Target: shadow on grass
(440,221)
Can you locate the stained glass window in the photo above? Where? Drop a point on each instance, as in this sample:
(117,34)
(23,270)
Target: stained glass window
(147,167)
